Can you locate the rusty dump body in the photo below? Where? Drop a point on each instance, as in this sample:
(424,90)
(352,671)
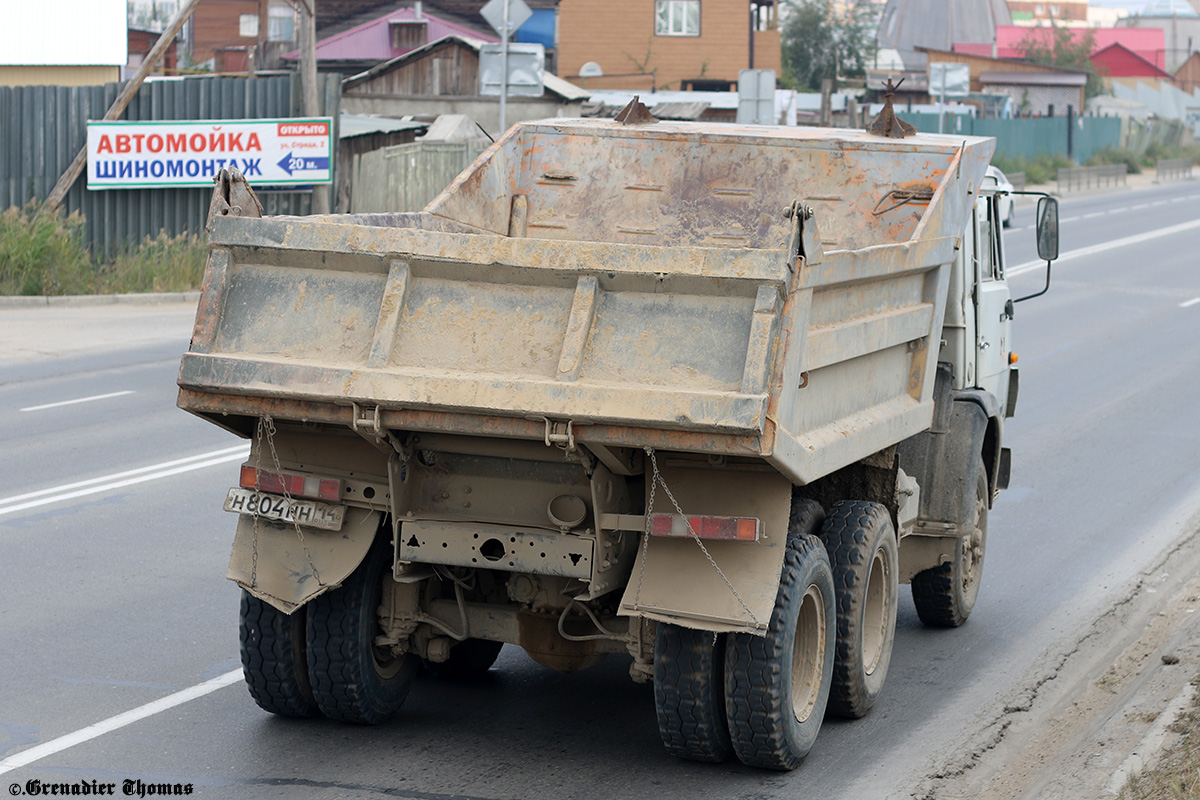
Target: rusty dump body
(762,292)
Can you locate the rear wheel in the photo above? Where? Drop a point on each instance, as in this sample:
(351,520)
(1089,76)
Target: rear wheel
(945,595)
(777,686)
(273,658)
(468,660)
(689,693)
(861,542)
(353,679)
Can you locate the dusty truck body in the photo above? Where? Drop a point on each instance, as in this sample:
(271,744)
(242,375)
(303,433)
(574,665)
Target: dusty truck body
(702,395)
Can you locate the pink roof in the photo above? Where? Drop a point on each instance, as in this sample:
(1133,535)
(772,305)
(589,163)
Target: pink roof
(1149,43)
(371,41)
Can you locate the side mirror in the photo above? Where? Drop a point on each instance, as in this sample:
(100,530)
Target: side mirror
(1047,228)
(1047,237)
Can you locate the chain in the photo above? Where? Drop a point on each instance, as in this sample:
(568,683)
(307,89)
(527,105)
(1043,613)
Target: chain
(268,424)
(258,436)
(637,597)
(655,481)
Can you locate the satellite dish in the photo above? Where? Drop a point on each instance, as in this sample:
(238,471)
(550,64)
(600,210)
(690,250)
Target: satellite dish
(590,70)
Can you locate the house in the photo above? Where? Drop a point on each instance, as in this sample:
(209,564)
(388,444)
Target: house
(1010,41)
(387,36)
(1187,77)
(1120,64)
(442,77)
(1180,29)
(86,44)
(140,43)
(1036,90)
(541,27)
(237,35)
(666,44)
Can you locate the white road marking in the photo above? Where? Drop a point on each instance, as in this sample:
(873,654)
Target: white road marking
(1181,199)
(1159,203)
(1095,214)
(1100,248)
(119,721)
(71,491)
(1139,205)
(80,400)
(1069,219)
(1189,303)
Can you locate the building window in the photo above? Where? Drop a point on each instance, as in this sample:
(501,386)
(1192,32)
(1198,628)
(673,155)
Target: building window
(248,26)
(281,24)
(677,17)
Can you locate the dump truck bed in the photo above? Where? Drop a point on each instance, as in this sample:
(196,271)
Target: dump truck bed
(655,285)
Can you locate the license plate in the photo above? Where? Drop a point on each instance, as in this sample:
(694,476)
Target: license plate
(309,513)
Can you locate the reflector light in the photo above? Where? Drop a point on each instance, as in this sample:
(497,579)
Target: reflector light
(741,529)
(291,484)
(1012,358)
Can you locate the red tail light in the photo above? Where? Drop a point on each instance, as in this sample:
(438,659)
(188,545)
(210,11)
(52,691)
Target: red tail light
(292,484)
(741,529)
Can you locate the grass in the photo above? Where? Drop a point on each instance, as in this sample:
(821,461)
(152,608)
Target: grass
(47,254)
(1176,776)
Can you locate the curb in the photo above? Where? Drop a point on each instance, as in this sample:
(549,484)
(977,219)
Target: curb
(82,300)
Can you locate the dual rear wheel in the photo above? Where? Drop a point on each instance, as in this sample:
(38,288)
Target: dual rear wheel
(826,649)
(322,659)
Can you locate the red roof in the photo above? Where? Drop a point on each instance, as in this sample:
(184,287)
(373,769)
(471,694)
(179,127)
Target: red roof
(1118,61)
(1149,43)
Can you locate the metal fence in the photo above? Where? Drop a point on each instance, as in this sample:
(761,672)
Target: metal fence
(1166,169)
(406,177)
(1087,177)
(1032,137)
(42,128)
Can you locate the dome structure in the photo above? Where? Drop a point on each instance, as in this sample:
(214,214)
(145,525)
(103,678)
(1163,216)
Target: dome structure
(908,24)
(1168,8)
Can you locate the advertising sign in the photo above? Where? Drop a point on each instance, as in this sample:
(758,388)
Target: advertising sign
(269,152)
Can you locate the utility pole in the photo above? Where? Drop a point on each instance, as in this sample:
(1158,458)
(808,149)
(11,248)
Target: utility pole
(308,83)
(68,178)
(504,71)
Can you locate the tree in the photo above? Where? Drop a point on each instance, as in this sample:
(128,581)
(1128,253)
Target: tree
(1062,49)
(819,43)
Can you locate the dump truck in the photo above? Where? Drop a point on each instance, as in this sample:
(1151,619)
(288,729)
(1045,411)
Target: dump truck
(698,395)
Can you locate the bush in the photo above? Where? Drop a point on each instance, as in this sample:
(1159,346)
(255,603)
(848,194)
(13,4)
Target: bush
(1041,170)
(42,254)
(1119,155)
(163,264)
(1158,152)
(45,254)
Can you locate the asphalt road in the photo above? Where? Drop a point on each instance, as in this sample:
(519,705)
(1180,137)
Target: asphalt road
(113,547)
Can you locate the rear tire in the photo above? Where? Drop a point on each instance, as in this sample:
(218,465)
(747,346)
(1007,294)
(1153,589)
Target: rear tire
(352,679)
(861,542)
(777,686)
(945,595)
(689,693)
(273,658)
(469,660)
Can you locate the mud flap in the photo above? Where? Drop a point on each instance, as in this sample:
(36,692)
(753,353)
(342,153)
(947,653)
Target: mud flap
(269,560)
(676,582)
